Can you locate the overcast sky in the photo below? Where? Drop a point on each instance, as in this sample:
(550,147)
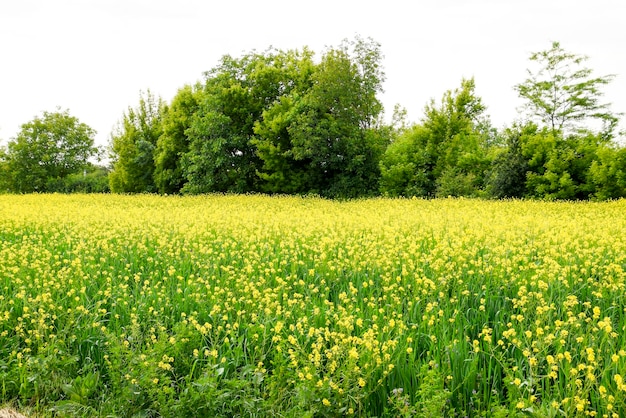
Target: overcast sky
(94,57)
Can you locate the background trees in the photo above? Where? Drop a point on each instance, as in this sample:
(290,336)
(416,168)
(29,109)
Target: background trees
(174,142)
(45,152)
(292,122)
(326,131)
(446,155)
(221,156)
(133,144)
(562,95)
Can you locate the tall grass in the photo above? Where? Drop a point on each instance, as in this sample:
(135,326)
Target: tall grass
(281,306)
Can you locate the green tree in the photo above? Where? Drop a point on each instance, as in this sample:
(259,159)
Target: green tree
(47,150)
(449,153)
(562,94)
(559,168)
(133,146)
(325,136)
(174,142)
(608,172)
(221,157)
(406,165)
(280,171)
(507,177)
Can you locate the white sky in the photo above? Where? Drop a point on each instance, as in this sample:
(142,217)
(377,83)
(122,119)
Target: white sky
(94,57)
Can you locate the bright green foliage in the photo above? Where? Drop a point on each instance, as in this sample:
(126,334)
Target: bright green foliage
(447,155)
(405,165)
(280,123)
(559,168)
(133,147)
(608,173)
(174,143)
(281,172)
(45,152)
(92,179)
(563,96)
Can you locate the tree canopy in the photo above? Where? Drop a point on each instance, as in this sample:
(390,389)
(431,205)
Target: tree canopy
(45,152)
(133,144)
(562,94)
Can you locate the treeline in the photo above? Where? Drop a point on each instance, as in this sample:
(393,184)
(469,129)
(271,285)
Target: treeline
(276,122)
(284,122)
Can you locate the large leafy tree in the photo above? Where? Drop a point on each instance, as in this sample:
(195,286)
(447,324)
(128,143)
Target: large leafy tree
(280,171)
(323,136)
(558,168)
(46,151)
(221,157)
(562,94)
(133,146)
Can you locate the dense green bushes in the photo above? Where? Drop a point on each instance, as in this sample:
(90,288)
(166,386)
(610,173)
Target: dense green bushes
(285,122)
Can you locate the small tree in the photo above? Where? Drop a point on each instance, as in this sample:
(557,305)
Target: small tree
(508,173)
(133,146)
(46,151)
(446,155)
(174,142)
(563,95)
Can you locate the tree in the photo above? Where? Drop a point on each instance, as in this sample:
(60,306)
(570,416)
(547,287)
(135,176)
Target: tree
(406,165)
(608,172)
(280,171)
(133,146)
(221,157)
(174,142)
(558,167)
(563,95)
(323,136)
(448,153)
(507,178)
(47,150)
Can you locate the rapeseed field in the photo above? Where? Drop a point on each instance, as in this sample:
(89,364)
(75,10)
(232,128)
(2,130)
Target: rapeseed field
(151,306)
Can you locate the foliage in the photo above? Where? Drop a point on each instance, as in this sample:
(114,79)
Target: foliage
(221,157)
(286,122)
(322,135)
(174,142)
(447,155)
(93,179)
(46,151)
(558,168)
(608,173)
(563,95)
(133,145)
(405,166)
(507,177)
(280,123)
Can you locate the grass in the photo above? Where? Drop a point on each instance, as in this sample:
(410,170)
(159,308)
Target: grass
(146,306)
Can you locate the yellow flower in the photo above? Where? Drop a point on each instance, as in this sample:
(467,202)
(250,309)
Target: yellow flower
(326,402)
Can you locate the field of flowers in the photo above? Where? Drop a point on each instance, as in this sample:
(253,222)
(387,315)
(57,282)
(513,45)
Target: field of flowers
(147,306)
